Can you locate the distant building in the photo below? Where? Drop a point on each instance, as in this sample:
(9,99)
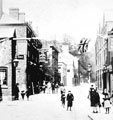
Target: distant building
(71,62)
(62,67)
(51,52)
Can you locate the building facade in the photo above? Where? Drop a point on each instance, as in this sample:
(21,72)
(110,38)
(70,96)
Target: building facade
(17,43)
(62,67)
(71,62)
(104,57)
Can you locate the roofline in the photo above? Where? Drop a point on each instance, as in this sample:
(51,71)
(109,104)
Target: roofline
(54,48)
(19,24)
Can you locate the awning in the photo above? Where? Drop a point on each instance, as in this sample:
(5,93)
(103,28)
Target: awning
(6,33)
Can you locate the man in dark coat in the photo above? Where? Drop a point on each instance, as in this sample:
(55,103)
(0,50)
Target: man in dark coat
(17,91)
(70,99)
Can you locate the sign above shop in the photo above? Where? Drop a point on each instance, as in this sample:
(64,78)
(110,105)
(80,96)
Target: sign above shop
(20,57)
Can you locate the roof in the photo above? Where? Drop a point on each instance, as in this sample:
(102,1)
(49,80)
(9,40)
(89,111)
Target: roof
(7,32)
(7,19)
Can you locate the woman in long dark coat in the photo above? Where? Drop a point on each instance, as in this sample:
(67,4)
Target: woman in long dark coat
(94,100)
(70,99)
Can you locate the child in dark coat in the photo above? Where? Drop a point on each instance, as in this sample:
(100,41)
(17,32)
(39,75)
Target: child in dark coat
(70,99)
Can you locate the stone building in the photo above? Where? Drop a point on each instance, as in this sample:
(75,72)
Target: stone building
(19,55)
(104,57)
(62,67)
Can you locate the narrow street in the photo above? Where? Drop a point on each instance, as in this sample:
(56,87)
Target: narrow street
(47,107)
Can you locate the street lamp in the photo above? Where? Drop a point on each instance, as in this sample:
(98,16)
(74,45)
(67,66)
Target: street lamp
(15,64)
(89,72)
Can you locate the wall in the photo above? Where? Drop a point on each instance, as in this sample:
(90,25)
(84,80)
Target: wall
(5,61)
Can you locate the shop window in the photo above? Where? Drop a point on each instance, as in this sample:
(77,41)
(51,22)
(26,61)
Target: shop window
(3,76)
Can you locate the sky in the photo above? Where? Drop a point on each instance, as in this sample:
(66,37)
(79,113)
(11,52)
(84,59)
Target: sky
(54,19)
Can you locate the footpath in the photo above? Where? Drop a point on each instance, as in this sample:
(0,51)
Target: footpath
(101,115)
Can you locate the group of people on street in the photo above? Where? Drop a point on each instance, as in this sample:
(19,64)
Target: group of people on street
(96,103)
(94,99)
(69,98)
(50,87)
(23,93)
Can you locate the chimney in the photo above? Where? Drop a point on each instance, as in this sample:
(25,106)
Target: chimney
(22,17)
(1,12)
(14,12)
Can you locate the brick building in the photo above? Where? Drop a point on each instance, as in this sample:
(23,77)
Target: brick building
(17,45)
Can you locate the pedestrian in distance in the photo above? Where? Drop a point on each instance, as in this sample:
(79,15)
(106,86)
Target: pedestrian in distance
(48,87)
(17,91)
(0,93)
(44,86)
(22,94)
(62,89)
(70,99)
(107,104)
(97,101)
(56,88)
(53,87)
(63,97)
(91,97)
(27,94)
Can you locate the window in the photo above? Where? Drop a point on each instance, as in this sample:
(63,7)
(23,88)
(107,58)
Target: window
(3,75)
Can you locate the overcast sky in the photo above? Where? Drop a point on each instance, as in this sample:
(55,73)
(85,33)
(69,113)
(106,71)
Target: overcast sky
(55,18)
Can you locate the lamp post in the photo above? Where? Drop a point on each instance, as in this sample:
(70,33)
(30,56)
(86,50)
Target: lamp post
(89,72)
(15,64)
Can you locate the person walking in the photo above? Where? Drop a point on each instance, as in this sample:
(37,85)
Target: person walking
(17,91)
(53,87)
(107,103)
(48,87)
(62,89)
(56,88)
(91,97)
(96,101)
(22,94)
(0,93)
(63,97)
(28,93)
(70,99)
